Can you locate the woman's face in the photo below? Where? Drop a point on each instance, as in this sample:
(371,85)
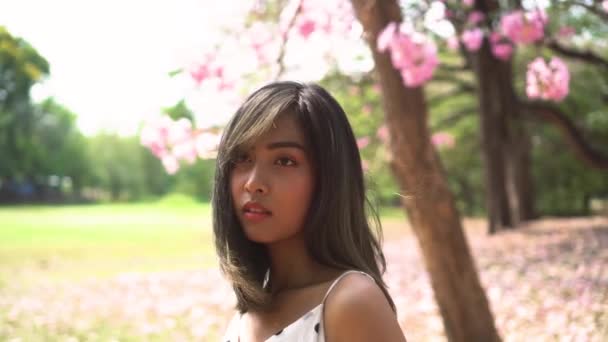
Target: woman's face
(272,183)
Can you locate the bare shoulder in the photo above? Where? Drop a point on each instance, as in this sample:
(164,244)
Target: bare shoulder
(357,310)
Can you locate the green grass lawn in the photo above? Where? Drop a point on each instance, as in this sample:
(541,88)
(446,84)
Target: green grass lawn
(80,251)
(68,242)
(61,243)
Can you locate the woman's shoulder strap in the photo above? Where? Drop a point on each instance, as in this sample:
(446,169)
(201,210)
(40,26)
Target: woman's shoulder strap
(233,330)
(342,276)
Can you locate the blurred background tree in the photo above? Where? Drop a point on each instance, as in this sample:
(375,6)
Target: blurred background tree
(46,158)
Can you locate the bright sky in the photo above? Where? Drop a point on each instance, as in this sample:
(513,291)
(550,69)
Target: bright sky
(110,59)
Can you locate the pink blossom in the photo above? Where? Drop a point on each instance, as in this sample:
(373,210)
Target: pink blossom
(501,48)
(362,142)
(566,31)
(547,82)
(258,35)
(261,39)
(472,39)
(413,54)
(502,51)
(443,139)
(306,27)
(386,36)
(154,135)
(524,27)
(185,150)
(179,131)
(475,17)
(366,110)
(175,141)
(226,84)
(207,68)
(605,5)
(170,163)
(383,134)
(199,73)
(453,43)
(376,88)
(468,3)
(330,17)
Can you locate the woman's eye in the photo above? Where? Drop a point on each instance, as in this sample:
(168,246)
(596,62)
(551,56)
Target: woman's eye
(243,158)
(285,161)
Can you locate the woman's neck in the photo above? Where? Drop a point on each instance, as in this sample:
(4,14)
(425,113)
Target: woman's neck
(292,267)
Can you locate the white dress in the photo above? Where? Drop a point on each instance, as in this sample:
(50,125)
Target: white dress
(307,328)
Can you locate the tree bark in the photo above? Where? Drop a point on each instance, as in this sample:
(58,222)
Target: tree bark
(493,97)
(520,187)
(522,175)
(505,144)
(429,204)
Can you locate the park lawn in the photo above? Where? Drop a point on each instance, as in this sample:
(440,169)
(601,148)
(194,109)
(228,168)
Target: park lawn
(74,242)
(65,247)
(69,243)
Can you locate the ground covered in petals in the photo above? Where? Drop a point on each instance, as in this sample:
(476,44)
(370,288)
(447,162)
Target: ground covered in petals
(546,281)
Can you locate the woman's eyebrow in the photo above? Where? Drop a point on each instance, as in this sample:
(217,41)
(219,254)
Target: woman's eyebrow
(283,144)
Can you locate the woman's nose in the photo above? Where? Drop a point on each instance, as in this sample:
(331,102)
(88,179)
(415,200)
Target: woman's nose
(255,182)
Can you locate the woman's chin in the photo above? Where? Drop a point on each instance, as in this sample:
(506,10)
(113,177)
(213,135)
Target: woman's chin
(260,235)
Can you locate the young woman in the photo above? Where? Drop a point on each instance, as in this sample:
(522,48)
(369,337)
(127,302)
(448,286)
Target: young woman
(291,223)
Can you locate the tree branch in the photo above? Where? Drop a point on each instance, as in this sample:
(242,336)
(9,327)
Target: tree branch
(591,8)
(284,37)
(555,116)
(587,56)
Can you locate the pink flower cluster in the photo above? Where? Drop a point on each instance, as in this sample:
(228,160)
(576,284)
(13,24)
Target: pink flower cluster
(501,47)
(443,140)
(547,81)
(173,141)
(411,52)
(566,32)
(524,27)
(475,17)
(383,134)
(207,68)
(472,36)
(328,17)
(515,27)
(261,39)
(605,5)
(472,39)
(363,142)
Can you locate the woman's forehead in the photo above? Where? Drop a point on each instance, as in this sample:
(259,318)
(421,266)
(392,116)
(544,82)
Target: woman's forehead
(285,128)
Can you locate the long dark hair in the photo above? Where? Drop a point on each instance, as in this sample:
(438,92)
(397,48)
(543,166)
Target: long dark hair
(338,227)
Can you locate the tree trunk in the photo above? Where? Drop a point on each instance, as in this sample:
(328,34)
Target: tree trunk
(519,154)
(494,124)
(505,144)
(429,204)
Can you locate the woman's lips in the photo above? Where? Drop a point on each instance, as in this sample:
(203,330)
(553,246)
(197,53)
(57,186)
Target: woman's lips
(255,212)
(255,217)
